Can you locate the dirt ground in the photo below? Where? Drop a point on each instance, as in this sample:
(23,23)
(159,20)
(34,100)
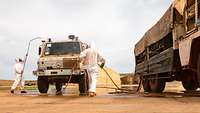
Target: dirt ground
(173,100)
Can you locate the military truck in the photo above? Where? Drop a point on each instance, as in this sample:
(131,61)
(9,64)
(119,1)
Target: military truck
(59,63)
(170,50)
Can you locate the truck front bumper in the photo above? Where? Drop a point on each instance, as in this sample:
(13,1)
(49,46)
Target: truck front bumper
(58,72)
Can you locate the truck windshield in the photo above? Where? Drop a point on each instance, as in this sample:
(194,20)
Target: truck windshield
(62,48)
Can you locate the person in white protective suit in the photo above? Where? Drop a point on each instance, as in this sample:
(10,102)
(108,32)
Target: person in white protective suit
(19,67)
(90,60)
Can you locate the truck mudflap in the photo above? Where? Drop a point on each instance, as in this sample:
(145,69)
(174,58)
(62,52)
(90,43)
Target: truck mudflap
(56,72)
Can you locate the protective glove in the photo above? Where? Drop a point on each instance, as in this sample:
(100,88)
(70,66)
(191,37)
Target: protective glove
(102,65)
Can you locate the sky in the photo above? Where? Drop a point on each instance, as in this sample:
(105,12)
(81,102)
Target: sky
(114,26)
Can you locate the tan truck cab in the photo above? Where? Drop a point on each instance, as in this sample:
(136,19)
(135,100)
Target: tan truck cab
(59,63)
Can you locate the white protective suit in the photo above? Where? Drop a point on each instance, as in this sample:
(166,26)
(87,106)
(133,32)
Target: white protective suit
(91,57)
(18,73)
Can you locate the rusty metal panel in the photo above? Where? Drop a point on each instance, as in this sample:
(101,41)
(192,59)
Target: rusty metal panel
(178,32)
(69,63)
(180,5)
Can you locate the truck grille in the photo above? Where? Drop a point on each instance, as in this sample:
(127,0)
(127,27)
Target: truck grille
(69,63)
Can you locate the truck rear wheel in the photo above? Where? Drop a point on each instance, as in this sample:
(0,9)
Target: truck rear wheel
(146,85)
(157,85)
(190,85)
(43,84)
(83,85)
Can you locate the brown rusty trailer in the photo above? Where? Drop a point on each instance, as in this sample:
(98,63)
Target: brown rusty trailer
(169,50)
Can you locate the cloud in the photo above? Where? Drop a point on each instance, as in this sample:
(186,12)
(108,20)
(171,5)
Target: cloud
(114,25)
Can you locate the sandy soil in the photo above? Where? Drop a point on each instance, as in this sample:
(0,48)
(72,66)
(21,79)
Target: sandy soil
(172,101)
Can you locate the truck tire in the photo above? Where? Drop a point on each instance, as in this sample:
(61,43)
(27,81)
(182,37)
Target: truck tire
(58,86)
(83,85)
(43,84)
(157,85)
(190,85)
(198,69)
(146,85)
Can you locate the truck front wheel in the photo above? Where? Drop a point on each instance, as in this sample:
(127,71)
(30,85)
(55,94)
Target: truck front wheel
(83,85)
(43,84)
(58,86)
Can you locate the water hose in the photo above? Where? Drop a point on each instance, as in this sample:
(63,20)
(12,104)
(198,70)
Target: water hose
(117,87)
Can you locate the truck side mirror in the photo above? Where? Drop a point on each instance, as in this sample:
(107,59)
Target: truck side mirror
(39,51)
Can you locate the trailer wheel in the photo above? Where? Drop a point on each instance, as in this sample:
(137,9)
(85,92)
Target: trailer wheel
(83,85)
(157,85)
(146,85)
(43,84)
(190,85)
(198,69)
